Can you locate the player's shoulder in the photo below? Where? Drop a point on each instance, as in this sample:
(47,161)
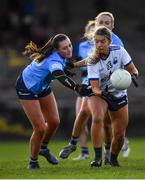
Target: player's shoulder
(116,40)
(55,57)
(86,43)
(115,37)
(83,43)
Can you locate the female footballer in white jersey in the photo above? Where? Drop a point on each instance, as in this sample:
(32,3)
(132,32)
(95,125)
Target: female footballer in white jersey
(104,61)
(85,48)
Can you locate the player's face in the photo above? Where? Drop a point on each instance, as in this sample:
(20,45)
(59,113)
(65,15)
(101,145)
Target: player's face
(90,32)
(102,44)
(65,48)
(105,20)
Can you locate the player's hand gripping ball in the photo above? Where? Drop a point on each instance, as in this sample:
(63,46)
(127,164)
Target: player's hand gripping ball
(121,79)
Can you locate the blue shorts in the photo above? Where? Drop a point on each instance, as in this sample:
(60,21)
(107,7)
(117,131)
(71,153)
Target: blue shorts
(117,104)
(24,93)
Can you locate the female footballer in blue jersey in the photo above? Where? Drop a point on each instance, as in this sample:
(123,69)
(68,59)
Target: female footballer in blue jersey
(35,94)
(82,110)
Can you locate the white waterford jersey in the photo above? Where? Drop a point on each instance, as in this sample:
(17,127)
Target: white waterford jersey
(117,58)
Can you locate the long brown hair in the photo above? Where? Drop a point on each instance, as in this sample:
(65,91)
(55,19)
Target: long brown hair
(33,52)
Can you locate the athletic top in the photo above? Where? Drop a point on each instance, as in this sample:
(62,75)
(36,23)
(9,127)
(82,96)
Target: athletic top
(116,40)
(38,76)
(86,47)
(118,58)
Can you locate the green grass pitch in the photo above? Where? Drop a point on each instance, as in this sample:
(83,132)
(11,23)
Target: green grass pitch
(14,159)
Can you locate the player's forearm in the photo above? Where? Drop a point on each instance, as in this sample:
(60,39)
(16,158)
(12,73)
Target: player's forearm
(95,87)
(135,71)
(63,79)
(132,69)
(81,63)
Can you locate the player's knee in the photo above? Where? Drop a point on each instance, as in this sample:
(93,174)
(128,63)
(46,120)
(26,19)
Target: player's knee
(55,121)
(40,131)
(107,126)
(98,120)
(83,113)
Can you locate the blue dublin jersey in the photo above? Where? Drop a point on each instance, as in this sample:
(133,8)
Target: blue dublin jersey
(116,40)
(38,76)
(85,49)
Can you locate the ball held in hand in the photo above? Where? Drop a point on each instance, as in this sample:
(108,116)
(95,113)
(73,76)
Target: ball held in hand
(121,79)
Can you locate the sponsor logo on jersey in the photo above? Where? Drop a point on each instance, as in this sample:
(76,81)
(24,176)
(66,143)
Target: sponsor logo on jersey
(56,66)
(115,60)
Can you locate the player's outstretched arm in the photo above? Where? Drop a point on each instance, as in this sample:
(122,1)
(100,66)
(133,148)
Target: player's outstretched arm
(68,82)
(81,63)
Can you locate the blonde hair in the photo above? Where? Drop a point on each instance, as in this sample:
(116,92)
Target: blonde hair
(106,14)
(88,30)
(33,52)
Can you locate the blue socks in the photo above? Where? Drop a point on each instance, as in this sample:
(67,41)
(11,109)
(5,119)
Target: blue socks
(74,140)
(98,153)
(84,150)
(43,146)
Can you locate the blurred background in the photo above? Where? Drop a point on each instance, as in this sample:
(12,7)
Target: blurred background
(37,20)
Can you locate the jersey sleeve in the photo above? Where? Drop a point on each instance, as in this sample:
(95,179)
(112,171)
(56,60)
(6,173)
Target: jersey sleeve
(126,59)
(93,71)
(55,65)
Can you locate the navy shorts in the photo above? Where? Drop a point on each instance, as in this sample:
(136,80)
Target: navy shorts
(117,104)
(85,86)
(24,93)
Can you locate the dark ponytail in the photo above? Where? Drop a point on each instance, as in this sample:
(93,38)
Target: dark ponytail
(33,52)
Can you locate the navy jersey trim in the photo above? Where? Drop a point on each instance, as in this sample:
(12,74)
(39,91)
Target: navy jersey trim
(114,48)
(93,79)
(128,63)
